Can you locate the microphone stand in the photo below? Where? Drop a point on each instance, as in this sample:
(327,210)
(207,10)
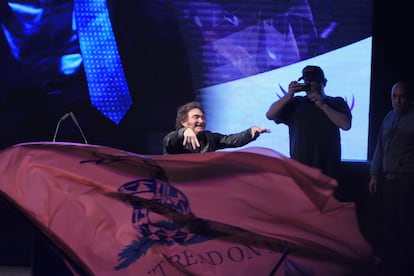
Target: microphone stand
(66,115)
(78,126)
(74,120)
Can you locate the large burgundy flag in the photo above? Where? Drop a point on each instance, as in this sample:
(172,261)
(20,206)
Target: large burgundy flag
(245,212)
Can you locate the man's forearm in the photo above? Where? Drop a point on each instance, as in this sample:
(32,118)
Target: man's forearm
(277,106)
(338,118)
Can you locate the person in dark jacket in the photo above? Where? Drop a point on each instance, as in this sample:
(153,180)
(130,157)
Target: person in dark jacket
(190,135)
(393,162)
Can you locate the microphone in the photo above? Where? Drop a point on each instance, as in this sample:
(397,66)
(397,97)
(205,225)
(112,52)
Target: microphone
(74,120)
(78,126)
(64,117)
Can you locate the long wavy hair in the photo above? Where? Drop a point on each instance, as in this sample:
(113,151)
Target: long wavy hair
(182,112)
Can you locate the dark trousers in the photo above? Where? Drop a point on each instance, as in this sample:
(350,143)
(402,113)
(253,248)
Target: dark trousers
(398,206)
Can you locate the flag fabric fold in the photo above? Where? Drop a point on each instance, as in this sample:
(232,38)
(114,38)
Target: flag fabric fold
(243,212)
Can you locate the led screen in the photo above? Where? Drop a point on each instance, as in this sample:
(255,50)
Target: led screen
(244,54)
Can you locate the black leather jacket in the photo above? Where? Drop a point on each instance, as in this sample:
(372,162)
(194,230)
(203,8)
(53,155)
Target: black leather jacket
(209,141)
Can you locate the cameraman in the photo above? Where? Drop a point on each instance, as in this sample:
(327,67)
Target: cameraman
(314,121)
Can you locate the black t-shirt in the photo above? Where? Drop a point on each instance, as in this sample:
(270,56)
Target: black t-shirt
(314,139)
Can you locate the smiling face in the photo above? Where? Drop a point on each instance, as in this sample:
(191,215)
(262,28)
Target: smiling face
(195,120)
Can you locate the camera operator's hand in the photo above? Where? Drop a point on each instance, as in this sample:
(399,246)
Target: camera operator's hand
(316,98)
(295,87)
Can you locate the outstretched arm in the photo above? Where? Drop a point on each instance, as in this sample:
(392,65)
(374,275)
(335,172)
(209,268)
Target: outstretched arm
(256,131)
